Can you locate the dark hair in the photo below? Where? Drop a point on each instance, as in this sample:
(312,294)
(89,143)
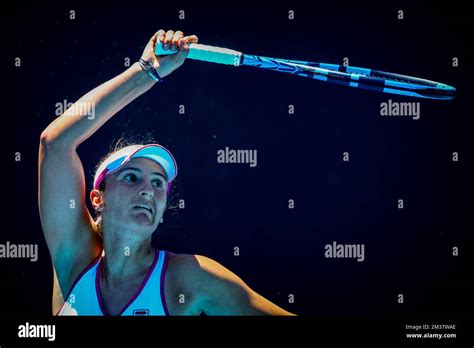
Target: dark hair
(122,142)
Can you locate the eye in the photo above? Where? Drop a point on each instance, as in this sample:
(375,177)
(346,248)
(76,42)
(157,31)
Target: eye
(158,183)
(131,177)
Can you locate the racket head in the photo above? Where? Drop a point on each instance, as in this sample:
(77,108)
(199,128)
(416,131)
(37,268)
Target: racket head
(375,80)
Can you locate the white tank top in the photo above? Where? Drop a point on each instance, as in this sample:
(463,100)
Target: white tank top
(85,298)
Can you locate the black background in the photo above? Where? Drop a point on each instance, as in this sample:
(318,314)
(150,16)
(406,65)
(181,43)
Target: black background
(408,251)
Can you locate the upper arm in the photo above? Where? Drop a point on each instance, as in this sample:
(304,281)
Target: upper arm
(66,222)
(221,292)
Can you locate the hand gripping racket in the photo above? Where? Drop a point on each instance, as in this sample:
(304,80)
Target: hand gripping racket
(370,79)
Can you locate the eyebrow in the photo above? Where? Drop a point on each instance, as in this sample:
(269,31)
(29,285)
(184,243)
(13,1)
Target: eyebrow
(139,170)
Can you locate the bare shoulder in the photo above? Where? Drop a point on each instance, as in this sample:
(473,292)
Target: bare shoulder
(195,266)
(180,263)
(191,279)
(186,271)
(197,275)
(215,290)
(181,280)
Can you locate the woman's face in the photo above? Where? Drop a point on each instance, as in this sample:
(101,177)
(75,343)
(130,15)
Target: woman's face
(135,196)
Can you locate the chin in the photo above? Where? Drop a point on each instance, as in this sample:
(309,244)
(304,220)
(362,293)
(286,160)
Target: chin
(144,220)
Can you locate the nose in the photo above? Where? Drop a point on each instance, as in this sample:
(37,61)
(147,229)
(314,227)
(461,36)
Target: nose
(147,189)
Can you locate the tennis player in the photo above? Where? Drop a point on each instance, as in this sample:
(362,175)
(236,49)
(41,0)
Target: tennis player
(107,265)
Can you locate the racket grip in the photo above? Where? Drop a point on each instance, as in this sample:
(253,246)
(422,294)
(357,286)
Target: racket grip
(206,53)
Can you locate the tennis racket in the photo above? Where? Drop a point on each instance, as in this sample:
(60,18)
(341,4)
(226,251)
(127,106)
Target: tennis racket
(370,79)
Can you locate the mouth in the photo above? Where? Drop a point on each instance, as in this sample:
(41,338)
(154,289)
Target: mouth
(144,207)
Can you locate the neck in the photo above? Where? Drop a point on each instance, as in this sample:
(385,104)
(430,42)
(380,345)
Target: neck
(125,258)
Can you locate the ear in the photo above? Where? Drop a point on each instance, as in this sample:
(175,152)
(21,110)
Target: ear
(97,199)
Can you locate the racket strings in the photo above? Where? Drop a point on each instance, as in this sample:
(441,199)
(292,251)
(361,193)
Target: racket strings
(375,80)
(389,78)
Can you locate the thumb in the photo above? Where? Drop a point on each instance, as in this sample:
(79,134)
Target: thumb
(184,44)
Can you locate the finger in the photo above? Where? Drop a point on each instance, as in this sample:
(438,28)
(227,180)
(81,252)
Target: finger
(181,43)
(158,37)
(168,38)
(190,39)
(176,37)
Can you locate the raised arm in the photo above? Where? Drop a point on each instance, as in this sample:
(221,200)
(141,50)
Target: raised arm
(67,225)
(75,126)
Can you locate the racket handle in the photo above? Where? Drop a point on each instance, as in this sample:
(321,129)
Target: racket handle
(206,53)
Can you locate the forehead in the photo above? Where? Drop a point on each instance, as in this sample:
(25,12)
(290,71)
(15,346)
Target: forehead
(145,165)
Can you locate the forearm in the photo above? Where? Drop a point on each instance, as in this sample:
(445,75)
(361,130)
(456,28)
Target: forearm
(240,303)
(262,306)
(95,108)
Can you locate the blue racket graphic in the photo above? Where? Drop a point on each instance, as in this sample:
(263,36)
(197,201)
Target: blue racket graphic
(370,79)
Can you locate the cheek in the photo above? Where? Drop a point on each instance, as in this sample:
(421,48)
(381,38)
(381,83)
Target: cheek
(161,199)
(117,196)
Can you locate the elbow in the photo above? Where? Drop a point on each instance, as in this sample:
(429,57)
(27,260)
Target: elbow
(45,137)
(50,141)
(47,140)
